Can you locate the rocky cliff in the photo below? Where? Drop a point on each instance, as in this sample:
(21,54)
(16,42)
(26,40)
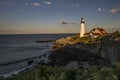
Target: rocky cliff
(104,50)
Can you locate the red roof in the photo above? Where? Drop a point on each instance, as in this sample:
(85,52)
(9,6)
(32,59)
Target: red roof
(102,30)
(96,34)
(100,33)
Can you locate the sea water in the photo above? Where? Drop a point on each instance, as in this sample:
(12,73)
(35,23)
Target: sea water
(17,49)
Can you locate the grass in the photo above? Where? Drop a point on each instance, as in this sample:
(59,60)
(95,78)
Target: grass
(42,72)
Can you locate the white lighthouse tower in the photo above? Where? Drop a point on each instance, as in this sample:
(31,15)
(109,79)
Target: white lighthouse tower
(82,28)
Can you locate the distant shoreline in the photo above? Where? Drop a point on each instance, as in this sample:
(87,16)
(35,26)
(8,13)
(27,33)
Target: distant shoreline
(40,34)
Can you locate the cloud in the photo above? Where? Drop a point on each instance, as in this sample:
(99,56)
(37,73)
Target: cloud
(115,10)
(100,10)
(63,22)
(66,22)
(75,5)
(47,2)
(37,4)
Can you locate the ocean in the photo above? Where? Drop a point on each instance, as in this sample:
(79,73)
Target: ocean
(17,49)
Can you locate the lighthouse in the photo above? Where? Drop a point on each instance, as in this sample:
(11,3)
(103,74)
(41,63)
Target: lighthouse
(82,28)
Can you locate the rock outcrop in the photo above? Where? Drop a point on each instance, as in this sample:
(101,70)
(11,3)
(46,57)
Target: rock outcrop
(103,50)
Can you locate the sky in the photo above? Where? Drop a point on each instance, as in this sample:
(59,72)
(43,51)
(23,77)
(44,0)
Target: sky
(57,16)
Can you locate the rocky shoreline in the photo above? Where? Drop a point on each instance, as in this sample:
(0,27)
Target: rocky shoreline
(82,54)
(99,51)
(28,63)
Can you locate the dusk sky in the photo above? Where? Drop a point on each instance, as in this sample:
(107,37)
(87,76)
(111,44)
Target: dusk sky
(57,16)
